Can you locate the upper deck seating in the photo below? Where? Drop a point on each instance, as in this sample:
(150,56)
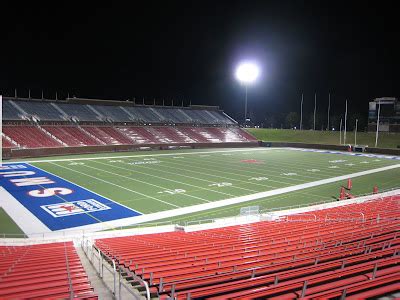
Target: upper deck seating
(60,111)
(41,110)
(79,111)
(10,112)
(115,113)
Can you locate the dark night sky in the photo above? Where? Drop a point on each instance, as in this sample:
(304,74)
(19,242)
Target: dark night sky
(168,49)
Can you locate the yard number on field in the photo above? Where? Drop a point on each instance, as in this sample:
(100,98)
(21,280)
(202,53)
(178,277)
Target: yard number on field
(221,184)
(173,192)
(258,178)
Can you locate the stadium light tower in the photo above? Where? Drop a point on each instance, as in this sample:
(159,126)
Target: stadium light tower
(247,73)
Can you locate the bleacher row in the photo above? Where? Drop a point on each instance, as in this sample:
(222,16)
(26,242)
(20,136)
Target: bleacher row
(44,271)
(350,252)
(35,136)
(63,111)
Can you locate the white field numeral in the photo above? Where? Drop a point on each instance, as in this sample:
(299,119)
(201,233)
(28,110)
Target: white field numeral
(173,192)
(221,184)
(258,178)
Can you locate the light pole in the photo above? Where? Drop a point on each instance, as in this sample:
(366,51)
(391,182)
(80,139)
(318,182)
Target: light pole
(301,111)
(247,73)
(355,134)
(377,124)
(345,125)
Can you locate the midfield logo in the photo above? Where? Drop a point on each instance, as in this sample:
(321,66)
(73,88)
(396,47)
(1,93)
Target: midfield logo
(66,209)
(252,161)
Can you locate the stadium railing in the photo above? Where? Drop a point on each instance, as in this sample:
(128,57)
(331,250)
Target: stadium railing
(102,263)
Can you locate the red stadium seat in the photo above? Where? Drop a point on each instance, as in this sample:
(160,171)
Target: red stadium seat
(354,248)
(51,271)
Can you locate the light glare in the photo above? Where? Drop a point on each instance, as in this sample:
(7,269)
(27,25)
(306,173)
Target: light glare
(247,72)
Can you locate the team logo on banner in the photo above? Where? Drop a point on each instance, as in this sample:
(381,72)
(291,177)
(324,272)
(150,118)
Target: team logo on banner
(74,208)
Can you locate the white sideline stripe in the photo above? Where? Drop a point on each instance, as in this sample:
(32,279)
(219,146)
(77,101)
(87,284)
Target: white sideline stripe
(143,155)
(357,154)
(21,215)
(225,202)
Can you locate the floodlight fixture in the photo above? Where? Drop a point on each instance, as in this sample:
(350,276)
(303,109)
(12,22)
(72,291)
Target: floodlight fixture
(247,72)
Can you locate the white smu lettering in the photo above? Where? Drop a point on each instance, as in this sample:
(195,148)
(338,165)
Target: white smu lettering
(50,192)
(12,167)
(31,181)
(17,173)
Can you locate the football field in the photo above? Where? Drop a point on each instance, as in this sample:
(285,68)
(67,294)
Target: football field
(185,185)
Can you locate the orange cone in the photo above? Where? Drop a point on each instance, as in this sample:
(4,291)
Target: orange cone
(375,190)
(342,194)
(349,184)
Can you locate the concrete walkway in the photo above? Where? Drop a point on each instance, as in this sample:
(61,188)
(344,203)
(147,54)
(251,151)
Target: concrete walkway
(103,286)
(97,283)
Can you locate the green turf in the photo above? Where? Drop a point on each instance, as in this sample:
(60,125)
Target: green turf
(8,228)
(150,187)
(157,181)
(329,192)
(386,140)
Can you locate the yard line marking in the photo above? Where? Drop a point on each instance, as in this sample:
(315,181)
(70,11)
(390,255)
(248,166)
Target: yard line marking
(122,187)
(300,164)
(145,155)
(236,200)
(144,182)
(169,162)
(194,164)
(244,168)
(163,178)
(272,166)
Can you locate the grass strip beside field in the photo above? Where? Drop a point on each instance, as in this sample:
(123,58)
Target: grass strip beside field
(386,139)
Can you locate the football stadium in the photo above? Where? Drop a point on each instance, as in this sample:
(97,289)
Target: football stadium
(135,198)
(151,179)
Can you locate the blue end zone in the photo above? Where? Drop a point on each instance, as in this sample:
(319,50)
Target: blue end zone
(58,203)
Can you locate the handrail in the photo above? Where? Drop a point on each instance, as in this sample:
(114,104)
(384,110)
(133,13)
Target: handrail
(71,291)
(345,213)
(140,280)
(306,214)
(107,264)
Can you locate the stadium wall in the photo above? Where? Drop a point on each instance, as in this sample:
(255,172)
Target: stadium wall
(40,152)
(329,147)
